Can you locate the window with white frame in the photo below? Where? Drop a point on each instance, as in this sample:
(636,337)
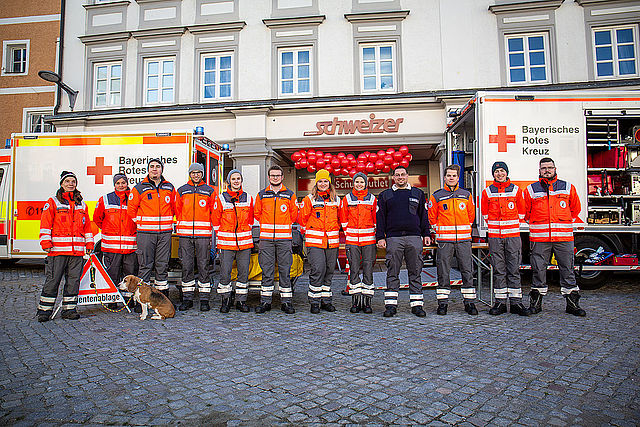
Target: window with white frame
(378,67)
(15,55)
(527,57)
(34,122)
(216,76)
(294,66)
(107,86)
(615,51)
(159,80)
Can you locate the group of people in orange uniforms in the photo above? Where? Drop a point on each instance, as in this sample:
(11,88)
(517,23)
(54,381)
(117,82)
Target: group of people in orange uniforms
(137,225)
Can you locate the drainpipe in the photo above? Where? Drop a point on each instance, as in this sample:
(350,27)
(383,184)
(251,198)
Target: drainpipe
(60,50)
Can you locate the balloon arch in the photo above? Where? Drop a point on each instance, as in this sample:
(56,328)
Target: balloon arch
(349,164)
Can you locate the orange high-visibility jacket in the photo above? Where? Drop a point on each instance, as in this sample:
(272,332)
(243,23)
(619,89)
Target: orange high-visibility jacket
(118,230)
(65,227)
(502,207)
(276,212)
(358,218)
(451,213)
(194,206)
(233,219)
(319,221)
(551,207)
(152,208)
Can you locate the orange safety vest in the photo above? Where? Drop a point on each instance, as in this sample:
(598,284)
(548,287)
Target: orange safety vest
(502,207)
(276,212)
(551,207)
(65,227)
(118,230)
(451,213)
(319,221)
(358,218)
(152,208)
(194,205)
(233,219)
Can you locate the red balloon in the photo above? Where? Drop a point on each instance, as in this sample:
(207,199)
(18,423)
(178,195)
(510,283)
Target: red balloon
(345,171)
(373,157)
(352,163)
(328,168)
(311,168)
(363,157)
(395,165)
(319,153)
(303,163)
(408,156)
(379,165)
(397,156)
(344,162)
(404,162)
(296,156)
(320,163)
(350,157)
(335,162)
(404,150)
(297,165)
(371,167)
(311,151)
(390,151)
(341,156)
(388,159)
(327,157)
(381,154)
(311,157)
(386,169)
(352,172)
(360,167)
(303,154)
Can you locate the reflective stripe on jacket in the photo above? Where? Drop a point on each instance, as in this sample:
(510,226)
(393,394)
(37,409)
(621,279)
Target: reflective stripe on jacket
(358,219)
(551,207)
(118,230)
(232,220)
(319,221)
(451,213)
(194,206)
(152,208)
(276,212)
(502,207)
(65,227)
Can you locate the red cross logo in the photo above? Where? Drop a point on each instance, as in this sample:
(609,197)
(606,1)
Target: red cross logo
(99,170)
(502,139)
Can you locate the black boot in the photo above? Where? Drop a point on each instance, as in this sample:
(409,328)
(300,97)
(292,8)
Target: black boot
(315,309)
(389,311)
(287,307)
(186,305)
(418,311)
(519,309)
(572,304)
(70,314)
(366,304)
(263,307)
(355,303)
(442,308)
(242,306)
(535,301)
(180,294)
(44,316)
(204,305)
(327,306)
(498,308)
(470,308)
(226,304)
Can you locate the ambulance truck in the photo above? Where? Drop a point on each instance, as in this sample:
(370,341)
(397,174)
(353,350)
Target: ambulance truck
(594,139)
(30,171)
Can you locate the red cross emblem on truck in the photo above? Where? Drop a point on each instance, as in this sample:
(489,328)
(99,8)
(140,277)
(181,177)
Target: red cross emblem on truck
(502,139)
(99,170)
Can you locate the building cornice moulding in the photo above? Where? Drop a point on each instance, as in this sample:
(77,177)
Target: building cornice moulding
(604,2)
(297,21)
(156,32)
(397,15)
(105,37)
(107,4)
(525,6)
(212,28)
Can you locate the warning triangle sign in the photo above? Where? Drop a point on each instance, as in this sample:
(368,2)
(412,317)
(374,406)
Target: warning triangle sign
(94,272)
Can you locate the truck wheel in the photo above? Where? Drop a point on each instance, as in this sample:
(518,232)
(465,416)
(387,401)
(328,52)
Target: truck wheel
(585,246)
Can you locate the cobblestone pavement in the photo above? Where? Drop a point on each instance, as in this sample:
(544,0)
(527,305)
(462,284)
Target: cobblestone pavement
(336,368)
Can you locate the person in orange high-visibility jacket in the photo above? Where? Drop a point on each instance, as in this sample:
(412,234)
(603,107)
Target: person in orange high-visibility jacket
(320,224)
(358,218)
(118,234)
(451,213)
(152,207)
(502,207)
(551,208)
(65,234)
(232,220)
(276,211)
(194,206)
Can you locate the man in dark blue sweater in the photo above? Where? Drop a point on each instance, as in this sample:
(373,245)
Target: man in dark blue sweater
(402,227)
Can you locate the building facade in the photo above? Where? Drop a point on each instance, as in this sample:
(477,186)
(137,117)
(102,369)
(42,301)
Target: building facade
(29,31)
(271,77)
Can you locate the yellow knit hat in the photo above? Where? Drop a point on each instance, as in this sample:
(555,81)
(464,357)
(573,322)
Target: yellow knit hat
(323,174)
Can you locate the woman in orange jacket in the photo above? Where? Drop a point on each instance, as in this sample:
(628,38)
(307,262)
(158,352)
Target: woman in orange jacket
(318,218)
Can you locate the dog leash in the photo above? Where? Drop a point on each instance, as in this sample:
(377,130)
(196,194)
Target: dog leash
(92,273)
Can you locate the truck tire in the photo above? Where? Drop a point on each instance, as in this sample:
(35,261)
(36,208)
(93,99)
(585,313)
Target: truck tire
(586,245)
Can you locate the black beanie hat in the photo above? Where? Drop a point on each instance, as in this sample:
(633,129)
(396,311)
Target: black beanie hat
(67,174)
(118,176)
(497,165)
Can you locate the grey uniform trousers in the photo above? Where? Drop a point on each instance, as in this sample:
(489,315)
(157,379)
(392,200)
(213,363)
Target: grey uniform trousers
(462,252)
(409,248)
(540,257)
(272,252)
(154,250)
(120,265)
(365,256)
(323,264)
(55,267)
(505,254)
(195,250)
(243,260)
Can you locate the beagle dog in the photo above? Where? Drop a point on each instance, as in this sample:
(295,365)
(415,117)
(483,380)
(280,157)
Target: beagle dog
(148,297)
